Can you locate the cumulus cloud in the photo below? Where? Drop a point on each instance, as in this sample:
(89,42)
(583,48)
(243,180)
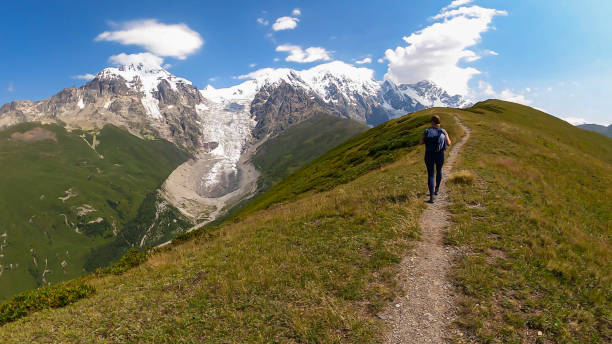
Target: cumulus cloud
(296,12)
(491,52)
(435,52)
(172,40)
(146,59)
(364,61)
(263,21)
(380,60)
(457,3)
(296,54)
(285,23)
(486,91)
(87,76)
(251,65)
(574,120)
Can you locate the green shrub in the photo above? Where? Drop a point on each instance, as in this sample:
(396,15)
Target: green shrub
(55,296)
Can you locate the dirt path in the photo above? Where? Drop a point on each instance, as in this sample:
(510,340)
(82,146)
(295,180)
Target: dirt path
(424,313)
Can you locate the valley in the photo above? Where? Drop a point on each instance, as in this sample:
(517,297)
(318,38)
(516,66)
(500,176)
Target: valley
(61,198)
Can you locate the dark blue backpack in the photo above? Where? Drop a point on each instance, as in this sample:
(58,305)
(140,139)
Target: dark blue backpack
(435,140)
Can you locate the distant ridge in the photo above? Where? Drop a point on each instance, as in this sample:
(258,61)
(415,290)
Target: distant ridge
(602,129)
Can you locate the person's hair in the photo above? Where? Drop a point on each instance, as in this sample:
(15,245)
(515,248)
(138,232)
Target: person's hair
(435,119)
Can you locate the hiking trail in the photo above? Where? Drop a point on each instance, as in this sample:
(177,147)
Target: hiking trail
(424,313)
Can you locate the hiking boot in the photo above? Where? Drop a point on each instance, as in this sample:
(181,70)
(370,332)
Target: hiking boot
(431,199)
(437,189)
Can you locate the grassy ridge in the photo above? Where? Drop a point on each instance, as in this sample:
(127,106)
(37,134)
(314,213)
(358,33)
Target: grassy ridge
(317,269)
(365,152)
(537,227)
(42,243)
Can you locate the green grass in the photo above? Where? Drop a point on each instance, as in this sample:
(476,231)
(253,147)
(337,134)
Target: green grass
(537,227)
(35,174)
(317,269)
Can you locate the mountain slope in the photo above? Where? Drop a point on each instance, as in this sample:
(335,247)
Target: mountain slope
(537,228)
(280,156)
(65,193)
(318,266)
(598,128)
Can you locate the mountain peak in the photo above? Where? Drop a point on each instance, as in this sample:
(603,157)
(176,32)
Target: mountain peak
(144,77)
(141,67)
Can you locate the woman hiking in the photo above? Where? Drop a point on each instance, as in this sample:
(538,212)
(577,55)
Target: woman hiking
(436,141)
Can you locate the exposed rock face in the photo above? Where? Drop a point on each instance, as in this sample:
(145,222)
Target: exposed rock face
(275,108)
(283,97)
(146,100)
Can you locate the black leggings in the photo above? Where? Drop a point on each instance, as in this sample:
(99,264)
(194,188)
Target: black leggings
(431,159)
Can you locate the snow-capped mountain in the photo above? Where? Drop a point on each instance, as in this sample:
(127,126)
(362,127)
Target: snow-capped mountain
(337,88)
(146,100)
(222,126)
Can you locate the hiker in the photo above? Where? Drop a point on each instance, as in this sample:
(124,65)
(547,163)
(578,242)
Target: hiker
(436,141)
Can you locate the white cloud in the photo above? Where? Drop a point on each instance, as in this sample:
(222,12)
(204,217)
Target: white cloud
(434,53)
(380,60)
(296,54)
(486,91)
(251,65)
(457,3)
(146,59)
(260,73)
(10,87)
(574,120)
(173,40)
(364,61)
(296,12)
(527,89)
(513,97)
(285,23)
(214,78)
(491,52)
(263,21)
(87,76)
(276,59)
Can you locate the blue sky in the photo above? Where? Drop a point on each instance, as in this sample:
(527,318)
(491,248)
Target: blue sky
(553,55)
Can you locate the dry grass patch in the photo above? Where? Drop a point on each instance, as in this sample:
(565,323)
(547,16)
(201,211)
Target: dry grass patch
(36,134)
(462,177)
